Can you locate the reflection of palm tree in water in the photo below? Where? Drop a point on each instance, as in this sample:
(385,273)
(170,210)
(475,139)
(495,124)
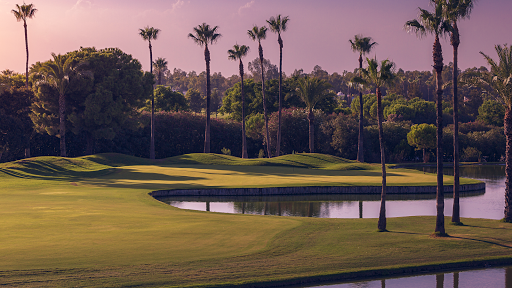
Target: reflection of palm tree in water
(439,280)
(508,277)
(456,280)
(301,209)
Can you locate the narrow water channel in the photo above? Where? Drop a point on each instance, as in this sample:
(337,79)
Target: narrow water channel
(487,204)
(485,278)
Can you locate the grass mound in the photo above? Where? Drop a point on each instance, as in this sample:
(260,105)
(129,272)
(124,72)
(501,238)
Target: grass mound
(302,160)
(53,167)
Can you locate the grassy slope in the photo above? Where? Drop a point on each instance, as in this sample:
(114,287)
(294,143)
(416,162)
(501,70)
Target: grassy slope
(81,222)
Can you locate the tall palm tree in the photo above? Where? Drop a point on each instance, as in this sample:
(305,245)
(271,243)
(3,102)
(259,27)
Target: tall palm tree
(312,90)
(204,35)
(258,34)
(22,13)
(434,23)
(57,73)
(160,66)
(148,34)
(363,45)
(277,25)
(379,76)
(455,10)
(500,81)
(237,53)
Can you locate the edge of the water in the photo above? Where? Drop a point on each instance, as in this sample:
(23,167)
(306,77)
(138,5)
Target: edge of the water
(371,274)
(313,190)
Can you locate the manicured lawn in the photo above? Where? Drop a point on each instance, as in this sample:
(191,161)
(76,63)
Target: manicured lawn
(90,222)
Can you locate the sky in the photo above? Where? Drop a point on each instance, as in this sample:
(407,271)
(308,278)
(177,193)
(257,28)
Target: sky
(318,31)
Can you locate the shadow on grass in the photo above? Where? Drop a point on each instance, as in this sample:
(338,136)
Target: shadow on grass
(482,241)
(109,177)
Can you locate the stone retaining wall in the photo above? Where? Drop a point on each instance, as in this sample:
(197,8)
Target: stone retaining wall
(315,190)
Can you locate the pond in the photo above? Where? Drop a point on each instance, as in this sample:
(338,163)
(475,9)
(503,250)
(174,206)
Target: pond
(487,204)
(492,277)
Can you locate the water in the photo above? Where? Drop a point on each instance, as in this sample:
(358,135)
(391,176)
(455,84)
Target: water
(485,278)
(487,204)
(483,204)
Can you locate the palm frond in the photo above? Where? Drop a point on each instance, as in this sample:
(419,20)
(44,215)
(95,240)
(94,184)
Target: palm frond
(257,33)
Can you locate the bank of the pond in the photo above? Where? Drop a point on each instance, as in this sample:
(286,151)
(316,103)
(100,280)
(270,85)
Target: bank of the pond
(314,190)
(370,274)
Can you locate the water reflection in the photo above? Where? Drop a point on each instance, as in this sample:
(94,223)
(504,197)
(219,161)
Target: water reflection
(480,204)
(323,206)
(492,277)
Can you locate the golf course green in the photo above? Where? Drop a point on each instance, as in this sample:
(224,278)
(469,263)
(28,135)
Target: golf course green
(90,222)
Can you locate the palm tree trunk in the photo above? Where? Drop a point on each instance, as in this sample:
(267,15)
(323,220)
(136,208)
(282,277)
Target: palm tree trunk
(311,119)
(508,167)
(382,215)
(244,143)
(26,48)
(267,134)
(424,155)
(360,151)
(438,66)
(278,145)
(456,206)
(152,141)
(62,127)
(207,129)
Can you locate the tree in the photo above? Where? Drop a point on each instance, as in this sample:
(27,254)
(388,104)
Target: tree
(16,128)
(271,71)
(24,12)
(237,53)
(204,35)
(195,101)
(160,66)
(97,107)
(363,45)
(380,76)
(455,10)
(57,73)
(168,100)
(148,34)
(258,34)
(435,23)
(491,112)
(312,90)
(422,136)
(278,25)
(499,79)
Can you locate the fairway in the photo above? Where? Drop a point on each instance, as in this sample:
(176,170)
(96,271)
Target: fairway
(89,221)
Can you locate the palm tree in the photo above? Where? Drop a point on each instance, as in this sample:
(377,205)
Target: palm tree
(237,53)
(148,34)
(278,25)
(363,45)
(204,35)
(312,90)
(500,81)
(160,66)
(258,34)
(434,23)
(24,12)
(455,10)
(57,73)
(380,77)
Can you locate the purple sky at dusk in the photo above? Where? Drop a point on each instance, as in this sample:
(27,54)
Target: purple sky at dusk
(317,34)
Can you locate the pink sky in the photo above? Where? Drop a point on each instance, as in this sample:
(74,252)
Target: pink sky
(318,31)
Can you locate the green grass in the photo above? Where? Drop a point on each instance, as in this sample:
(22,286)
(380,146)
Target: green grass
(89,221)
